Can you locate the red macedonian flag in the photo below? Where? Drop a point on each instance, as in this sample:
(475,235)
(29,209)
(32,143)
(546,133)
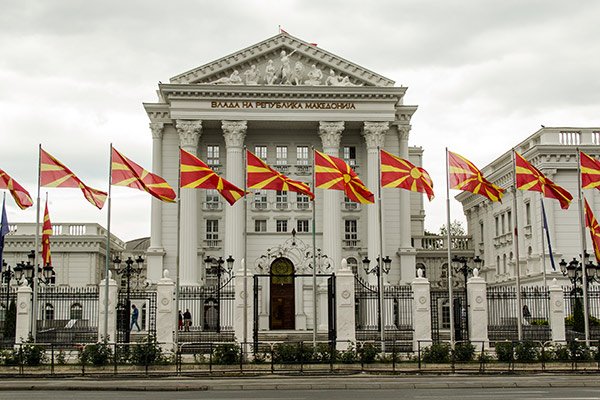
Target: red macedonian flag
(53,173)
(590,171)
(397,172)
(333,173)
(46,233)
(195,174)
(529,177)
(261,176)
(125,172)
(592,224)
(466,176)
(21,196)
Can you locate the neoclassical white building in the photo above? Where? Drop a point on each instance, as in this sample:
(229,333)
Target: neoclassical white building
(281,98)
(553,150)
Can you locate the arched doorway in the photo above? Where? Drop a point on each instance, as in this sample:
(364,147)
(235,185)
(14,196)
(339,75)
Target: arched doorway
(282,295)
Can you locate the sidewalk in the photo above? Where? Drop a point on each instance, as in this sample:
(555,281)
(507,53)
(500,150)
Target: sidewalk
(280,382)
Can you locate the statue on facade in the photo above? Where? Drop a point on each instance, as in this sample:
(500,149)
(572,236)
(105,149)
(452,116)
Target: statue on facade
(233,79)
(333,79)
(297,74)
(270,73)
(286,68)
(346,82)
(251,76)
(314,76)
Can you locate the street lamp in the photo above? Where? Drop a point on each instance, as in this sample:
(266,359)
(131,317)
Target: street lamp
(128,271)
(25,271)
(7,275)
(215,266)
(378,269)
(461,266)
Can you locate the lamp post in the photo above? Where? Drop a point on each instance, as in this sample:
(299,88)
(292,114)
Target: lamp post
(25,270)
(128,271)
(574,271)
(215,266)
(379,268)
(7,275)
(463,268)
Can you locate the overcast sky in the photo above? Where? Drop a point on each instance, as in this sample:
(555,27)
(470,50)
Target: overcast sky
(485,75)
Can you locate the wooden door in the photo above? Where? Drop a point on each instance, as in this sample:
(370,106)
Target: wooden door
(282,289)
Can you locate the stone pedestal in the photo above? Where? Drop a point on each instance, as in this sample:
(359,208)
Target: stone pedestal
(24,310)
(242,305)
(344,310)
(557,312)
(166,312)
(408,257)
(478,311)
(111,332)
(421,310)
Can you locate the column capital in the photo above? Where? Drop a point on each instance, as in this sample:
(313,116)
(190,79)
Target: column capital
(331,133)
(157,129)
(404,131)
(374,133)
(189,132)
(234,132)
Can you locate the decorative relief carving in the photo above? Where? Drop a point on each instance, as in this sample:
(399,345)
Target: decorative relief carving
(189,132)
(331,133)
(374,133)
(233,79)
(345,294)
(157,129)
(234,132)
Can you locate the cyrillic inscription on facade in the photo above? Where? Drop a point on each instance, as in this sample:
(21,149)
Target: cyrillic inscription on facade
(287,105)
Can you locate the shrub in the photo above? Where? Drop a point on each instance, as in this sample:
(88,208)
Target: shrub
(579,351)
(349,355)
(9,357)
(561,353)
(539,322)
(504,351)
(61,358)
(97,354)
(437,353)
(226,354)
(32,354)
(368,353)
(147,353)
(526,352)
(463,352)
(325,353)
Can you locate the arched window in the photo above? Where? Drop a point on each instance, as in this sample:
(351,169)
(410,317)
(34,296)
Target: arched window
(498,265)
(352,265)
(504,264)
(49,312)
(76,311)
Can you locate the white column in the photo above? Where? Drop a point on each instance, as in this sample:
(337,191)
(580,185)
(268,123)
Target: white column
(374,134)
(344,307)
(165,312)
(112,304)
(24,309)
(156,251)
(407,252)
(421,310)
(478,312)
(331,134)
(189,134)
(557,312)
(234,133)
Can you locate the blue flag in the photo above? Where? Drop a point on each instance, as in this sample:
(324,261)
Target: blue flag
(3,231)
(545,221)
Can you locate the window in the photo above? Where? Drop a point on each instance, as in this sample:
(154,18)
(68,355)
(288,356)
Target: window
(260,200)
(349,153)
(261,152)
(528,213)
(302,155)
(212,231)
(498,265)
(281,200)
(351,233)
(503,223)
(212,199)
(349,204)
(260,225)
(497,225)
(281,225)
(481,231)
(49,312)
(570,138)
(504,264)
(302,226)
(509,221)
(212,155)
(302,201)
(76,311)
(596,137)
(281,155)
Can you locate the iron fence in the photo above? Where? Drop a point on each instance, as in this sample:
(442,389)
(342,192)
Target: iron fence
(145,301)
(571,298)
(8,310)
(67,314)
(440,315)
(503,315)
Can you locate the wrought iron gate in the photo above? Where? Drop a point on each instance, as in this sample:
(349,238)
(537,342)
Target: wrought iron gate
(440,315)
(146,303)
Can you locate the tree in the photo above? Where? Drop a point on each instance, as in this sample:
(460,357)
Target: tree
(10,322)
(456,229)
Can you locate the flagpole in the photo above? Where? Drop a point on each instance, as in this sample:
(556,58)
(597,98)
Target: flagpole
(516,246)
(107,258)
(380,261)
(177,283)
(449,261)
(542,216)
(244,260)
(36,251)
(586,318)
(314,255)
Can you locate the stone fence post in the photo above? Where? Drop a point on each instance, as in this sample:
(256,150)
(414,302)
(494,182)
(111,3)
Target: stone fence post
(421,309)
(242,314)
(344,307)
(478,310)
(24,310)
(111,332)
(166,312)
(557,312)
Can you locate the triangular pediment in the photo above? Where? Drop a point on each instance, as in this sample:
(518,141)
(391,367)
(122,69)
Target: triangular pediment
(282,60)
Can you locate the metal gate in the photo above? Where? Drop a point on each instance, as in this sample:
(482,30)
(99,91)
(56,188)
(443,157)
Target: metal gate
(440,315)
(145,301)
